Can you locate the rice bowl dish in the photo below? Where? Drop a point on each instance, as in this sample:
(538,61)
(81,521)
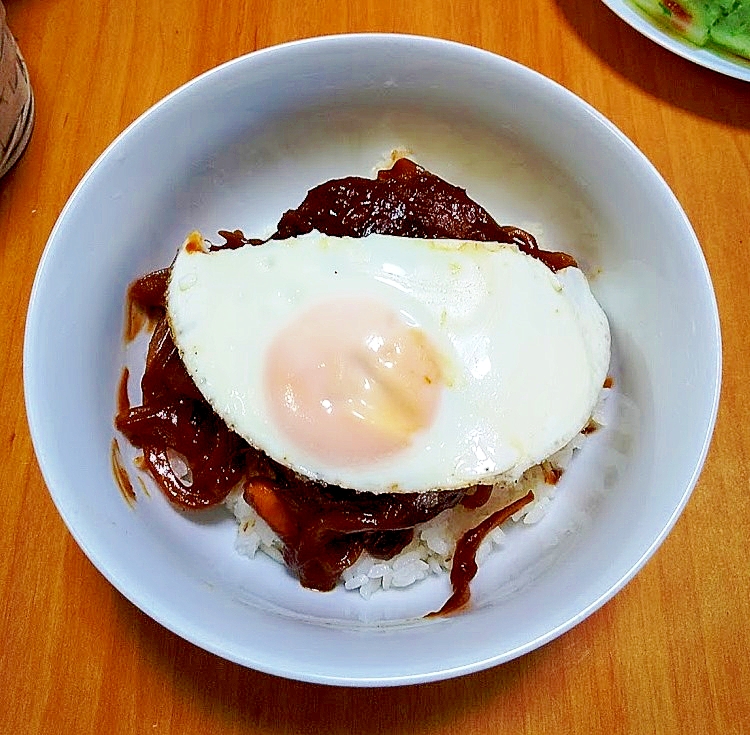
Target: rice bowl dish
(617,499)
(363,378)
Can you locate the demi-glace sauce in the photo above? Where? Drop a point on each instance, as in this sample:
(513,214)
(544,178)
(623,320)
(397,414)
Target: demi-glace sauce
(324,529)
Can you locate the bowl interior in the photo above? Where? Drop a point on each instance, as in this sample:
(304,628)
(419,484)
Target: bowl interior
(236,148)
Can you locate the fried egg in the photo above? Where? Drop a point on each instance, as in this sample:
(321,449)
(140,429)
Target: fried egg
(389,364)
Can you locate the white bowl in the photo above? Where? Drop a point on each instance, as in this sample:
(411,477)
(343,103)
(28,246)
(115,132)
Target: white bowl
(234,149)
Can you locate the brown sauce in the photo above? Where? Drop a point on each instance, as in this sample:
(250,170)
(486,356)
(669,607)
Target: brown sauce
(324,529)
(121,474)
(145,302)
(477,497)
(464,566)
(551,473)
(590,428)
(408,201)
(174,416)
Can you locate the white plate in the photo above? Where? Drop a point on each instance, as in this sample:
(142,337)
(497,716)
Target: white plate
(732,66)
(235,148)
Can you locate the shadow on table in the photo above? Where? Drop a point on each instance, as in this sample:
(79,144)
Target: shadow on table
(656,70)
(207,688)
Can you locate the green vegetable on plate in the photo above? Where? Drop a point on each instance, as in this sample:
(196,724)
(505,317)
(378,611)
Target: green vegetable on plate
(721,23)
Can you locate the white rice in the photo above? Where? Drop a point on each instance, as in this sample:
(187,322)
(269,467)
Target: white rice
(431,550)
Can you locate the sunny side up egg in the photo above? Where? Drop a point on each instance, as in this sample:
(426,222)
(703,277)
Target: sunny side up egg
(388,364)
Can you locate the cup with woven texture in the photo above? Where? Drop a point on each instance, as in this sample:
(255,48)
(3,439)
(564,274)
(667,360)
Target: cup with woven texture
(16,99)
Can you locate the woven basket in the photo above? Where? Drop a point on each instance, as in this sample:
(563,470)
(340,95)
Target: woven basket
(16,99)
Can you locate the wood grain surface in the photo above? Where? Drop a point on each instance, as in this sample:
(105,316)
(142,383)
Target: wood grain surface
(668,654)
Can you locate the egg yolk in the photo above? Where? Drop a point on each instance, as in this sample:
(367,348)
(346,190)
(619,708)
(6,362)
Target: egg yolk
(351,382)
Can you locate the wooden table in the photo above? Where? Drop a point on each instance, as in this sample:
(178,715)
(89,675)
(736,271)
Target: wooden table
(668,654)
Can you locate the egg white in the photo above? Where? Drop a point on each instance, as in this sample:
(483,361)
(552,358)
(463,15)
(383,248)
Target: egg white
(526,350)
